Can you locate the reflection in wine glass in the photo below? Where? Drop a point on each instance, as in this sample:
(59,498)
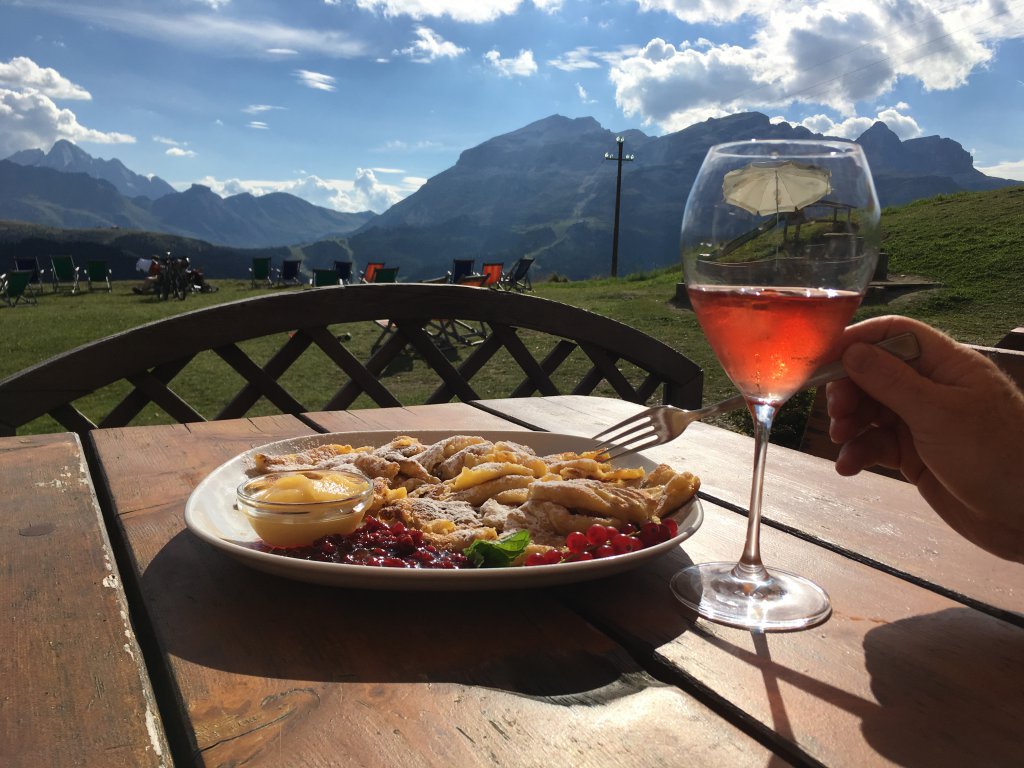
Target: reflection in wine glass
(779,242)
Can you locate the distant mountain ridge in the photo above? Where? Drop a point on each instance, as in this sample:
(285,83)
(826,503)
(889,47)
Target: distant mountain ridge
(543,190)
(66,157)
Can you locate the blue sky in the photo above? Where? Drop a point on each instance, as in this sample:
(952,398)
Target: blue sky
(353,104)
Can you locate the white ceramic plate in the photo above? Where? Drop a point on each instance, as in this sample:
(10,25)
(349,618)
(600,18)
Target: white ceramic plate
(211,515)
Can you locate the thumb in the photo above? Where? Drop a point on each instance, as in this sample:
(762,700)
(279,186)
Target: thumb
(889,380)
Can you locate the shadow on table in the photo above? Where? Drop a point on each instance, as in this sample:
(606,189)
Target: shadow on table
(210,610)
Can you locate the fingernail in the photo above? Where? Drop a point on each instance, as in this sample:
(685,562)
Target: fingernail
(857,358)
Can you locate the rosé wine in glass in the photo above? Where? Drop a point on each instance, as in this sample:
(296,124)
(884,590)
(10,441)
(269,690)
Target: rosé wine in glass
(779,241)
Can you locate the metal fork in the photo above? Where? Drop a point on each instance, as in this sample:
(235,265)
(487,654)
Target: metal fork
(663,423)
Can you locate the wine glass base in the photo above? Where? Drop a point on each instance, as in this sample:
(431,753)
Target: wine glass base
(778,601)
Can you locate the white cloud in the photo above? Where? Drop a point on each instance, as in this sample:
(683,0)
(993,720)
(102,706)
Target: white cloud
(165,140)
(430,46)
(522,65)
(282,52)
(256,109)
(1010,169)
(216,33)
(474,11)
(363,193)
(852,127)
(179,152)
(584,96)
(822,52)
(21,73)
(578,58)
(214,4)
(315,80)
(30,119)
(258,125)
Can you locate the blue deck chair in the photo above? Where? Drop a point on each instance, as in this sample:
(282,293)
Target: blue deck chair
(97,271)
(31,264)
(260,271)
(289,273)
(343,269)
(64,273)
(14,287)
(461,269)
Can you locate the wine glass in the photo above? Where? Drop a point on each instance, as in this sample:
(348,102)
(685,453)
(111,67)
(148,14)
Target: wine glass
(779,241)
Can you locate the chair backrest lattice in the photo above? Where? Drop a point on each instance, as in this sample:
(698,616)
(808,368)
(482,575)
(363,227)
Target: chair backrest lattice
(263,348)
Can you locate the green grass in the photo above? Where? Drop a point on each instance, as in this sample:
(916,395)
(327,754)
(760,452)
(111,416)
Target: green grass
(972,244)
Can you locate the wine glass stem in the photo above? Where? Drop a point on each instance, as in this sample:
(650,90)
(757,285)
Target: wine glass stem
(749,565)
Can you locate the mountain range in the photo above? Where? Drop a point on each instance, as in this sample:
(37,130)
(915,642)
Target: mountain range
(543,190)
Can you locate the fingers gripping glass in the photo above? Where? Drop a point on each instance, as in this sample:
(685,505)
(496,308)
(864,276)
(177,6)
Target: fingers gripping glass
(779,241)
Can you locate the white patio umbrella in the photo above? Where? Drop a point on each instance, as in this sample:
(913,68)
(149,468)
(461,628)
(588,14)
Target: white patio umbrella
(765,187)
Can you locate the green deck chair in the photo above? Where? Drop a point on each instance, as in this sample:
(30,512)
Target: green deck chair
(31,263)
(15,287)
(386,275)
(97,271)
(323,278)
(260,271)
(65,274)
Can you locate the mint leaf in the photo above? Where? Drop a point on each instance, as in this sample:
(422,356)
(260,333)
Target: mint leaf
(500,553)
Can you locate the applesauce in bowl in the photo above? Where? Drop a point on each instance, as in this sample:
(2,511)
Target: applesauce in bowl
(294,509)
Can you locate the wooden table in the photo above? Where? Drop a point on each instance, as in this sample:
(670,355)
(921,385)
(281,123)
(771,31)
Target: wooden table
(128,641)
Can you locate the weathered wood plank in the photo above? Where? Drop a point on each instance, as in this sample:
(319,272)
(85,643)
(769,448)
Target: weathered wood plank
(75,690)
(278,673)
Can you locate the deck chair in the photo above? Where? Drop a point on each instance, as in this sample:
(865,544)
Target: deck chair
(15,287)
(323,278)
(97,271)
(492,273)
(518,278)
(343,269)
(370,270)
(289,272)
(385,275)
(260,271)
(461,268)
(552,348)
(31,264)
(64,273)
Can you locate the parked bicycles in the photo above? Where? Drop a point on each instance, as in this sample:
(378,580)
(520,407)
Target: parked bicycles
(172,277)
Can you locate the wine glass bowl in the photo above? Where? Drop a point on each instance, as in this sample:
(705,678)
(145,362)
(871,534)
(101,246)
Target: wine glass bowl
(779,242)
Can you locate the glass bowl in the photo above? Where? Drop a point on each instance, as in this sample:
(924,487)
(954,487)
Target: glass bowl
(294,509)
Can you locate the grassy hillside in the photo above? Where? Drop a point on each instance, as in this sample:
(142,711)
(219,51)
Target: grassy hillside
(972,244)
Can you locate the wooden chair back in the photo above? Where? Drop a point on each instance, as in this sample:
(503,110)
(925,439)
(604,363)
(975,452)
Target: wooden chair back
(557,349)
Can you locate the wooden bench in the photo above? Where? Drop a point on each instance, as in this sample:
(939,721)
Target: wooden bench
(635,365)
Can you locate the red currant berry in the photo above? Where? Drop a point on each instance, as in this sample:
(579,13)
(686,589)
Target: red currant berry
(622,543)
(536,558)
(604,550)
(552,557)
(672,526)
(597,534)
(576,542)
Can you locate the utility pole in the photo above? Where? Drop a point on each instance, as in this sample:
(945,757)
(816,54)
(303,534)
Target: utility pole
(618,194)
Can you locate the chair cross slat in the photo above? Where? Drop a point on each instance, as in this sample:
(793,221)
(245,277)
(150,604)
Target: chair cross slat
(557,355)
(163,397)
(535,374)
(356,371)
(71,418)
(281,361)
(133,403)
(605,364)
(259,379)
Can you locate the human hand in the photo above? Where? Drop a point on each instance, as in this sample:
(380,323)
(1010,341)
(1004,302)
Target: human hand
(951,422)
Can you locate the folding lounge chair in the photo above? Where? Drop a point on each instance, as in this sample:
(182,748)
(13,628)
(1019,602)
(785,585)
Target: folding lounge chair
(343,269)
(370,270)
(492,273)
(289,274)
(461,268)
(385,275)
(323,278)
(97,271)
(65,274)
(260,271)
(14,287)
(31,264)
(518,278)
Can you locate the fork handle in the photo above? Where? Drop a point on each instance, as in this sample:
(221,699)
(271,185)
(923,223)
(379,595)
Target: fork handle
(904,346)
